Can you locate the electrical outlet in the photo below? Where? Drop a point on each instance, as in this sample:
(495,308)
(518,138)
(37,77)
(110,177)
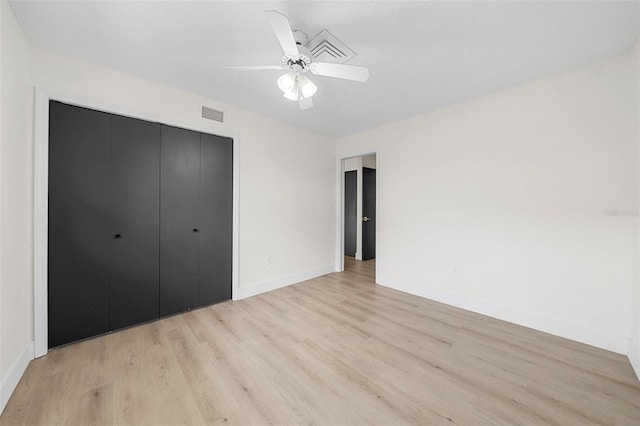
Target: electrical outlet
(454,270)
(267,260)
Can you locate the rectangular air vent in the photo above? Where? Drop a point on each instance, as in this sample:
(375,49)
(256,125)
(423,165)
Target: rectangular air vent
(212,114)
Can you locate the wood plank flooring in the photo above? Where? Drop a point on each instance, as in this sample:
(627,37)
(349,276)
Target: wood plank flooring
(335,350)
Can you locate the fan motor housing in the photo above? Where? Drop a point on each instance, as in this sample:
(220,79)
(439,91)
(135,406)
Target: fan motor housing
(299,62)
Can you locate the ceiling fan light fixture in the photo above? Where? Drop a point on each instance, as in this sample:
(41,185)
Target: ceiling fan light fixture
(295,86)
(292,94)
(300,57)
(307,87)
(287,81)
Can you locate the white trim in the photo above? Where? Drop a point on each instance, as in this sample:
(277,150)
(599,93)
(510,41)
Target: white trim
(40,222)
(633,353)
(41,185)
(235,250)
(339,234)
(339,249)
(580,333)
(13,376)
(276,283)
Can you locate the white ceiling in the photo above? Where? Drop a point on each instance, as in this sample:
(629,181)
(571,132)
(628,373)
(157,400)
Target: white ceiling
(421,55)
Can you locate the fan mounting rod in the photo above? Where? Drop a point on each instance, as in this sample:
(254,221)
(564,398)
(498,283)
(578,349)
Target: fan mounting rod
(300,37)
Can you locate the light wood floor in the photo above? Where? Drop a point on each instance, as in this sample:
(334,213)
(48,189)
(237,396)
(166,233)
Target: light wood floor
(334,350)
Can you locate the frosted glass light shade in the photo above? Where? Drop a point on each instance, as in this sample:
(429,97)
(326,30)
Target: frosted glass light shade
(295,86)
(287,81)
(307,87)
(292,94)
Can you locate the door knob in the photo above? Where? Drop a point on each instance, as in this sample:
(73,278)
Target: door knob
(117,236)
(196,230)
(366,219)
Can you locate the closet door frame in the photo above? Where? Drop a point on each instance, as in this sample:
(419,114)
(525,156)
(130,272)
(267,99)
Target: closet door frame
(41,192)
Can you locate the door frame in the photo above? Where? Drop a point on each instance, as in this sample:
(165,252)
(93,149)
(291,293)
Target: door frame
(339,248)
(41,195)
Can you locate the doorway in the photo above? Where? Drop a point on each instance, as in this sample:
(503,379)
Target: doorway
(359,219)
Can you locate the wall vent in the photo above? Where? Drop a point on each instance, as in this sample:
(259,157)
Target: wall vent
(328,48)
(212,114)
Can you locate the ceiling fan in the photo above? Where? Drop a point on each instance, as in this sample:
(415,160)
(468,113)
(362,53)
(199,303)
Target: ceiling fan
(297,60)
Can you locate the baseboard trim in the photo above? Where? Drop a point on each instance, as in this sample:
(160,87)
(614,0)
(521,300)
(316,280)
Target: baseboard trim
(583,334)
(276,283)
(13,376)
(633,353)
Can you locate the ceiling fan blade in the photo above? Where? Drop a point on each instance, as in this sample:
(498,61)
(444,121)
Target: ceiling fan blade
(282,30)
(255,67)
(305,103)
(348,72)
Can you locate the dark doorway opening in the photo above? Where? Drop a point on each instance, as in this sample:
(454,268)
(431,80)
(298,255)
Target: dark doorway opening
(359,213)
(350,212)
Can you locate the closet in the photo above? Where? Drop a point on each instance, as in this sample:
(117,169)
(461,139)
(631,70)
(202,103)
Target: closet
(140,221)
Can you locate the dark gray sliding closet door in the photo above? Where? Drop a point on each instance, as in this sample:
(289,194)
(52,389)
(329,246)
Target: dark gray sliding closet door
(179,224)
(78,253)
(140,221)
(135,216)
(216,220)
(196,225)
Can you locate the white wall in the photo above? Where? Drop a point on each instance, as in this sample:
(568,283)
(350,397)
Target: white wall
(517,204)
(16,280)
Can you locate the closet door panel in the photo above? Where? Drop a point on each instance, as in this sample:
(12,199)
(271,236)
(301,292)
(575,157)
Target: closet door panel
(179,228)
(216,221)
(135,204)
(78,252)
